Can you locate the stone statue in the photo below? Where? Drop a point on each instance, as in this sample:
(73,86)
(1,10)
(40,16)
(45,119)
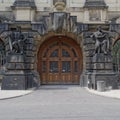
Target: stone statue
(16,45)
(102,43)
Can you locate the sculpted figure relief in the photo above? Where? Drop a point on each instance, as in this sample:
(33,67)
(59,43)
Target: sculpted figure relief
(102,43)
(16,45)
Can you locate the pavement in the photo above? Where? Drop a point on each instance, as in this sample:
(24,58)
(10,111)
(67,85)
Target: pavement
(7,94)
(60,103)
(108,93)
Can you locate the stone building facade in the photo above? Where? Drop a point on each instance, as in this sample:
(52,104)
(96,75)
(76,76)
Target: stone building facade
(46,42)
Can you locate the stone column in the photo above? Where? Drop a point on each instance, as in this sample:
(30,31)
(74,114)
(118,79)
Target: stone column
(102,70)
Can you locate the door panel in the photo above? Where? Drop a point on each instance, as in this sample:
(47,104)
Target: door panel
(44,78)
(66,67)
(60,62)
(66,78)
(53,78)
(53,72)
(76,78)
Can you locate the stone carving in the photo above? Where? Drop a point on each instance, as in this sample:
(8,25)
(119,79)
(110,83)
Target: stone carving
(17,46)
(16,43)
(72,24)
(60,5)
(59,21)
(102,42)
(47,24)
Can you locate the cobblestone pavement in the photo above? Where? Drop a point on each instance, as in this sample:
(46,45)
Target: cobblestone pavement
(60,103)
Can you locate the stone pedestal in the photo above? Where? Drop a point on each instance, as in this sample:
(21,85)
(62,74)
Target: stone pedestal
(110,80)
(102,70)
(14,82)
(20,71)
(98,66)
(14,77)
(20,74)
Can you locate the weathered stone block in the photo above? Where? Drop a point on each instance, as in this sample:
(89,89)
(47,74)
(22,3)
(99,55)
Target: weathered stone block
(89,66)
(29,41)
(29,53)
(6,41)
(99,66)
(13,82)
(108,58)
(109,66)
(102,58)
(20,66)
(29,59)
(7,48)
(89,47)
(109,78)
(15,58)
(11,66)
(87,34)
(89,59)
(34,48)
(15,72)
(29,66)
(29,47)
(88,41)
(89,53)
(16,80)
(98,58)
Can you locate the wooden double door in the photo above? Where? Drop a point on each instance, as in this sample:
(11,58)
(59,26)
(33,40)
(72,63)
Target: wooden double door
(60,61)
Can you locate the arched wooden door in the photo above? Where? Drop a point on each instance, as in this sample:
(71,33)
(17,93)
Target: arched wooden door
(60,61)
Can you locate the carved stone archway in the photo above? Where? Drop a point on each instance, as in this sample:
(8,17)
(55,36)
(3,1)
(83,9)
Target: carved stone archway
(60,61)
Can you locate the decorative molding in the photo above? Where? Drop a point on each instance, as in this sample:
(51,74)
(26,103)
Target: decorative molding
(59,22)
(75,2)
(44,1)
